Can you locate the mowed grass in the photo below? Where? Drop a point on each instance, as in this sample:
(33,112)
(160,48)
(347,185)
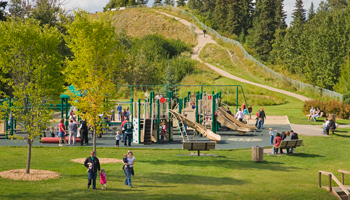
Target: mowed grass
(162,174)
(143,21)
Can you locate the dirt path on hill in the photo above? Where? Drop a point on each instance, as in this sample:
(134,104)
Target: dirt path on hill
(202,41)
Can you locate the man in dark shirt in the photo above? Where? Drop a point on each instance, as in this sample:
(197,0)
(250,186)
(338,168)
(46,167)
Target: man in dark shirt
(262,116)
(128,129)
(294,137)
(93,165)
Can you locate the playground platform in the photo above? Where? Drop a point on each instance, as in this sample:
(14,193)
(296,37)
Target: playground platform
(229,140)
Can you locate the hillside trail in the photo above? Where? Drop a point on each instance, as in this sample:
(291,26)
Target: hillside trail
(202,41)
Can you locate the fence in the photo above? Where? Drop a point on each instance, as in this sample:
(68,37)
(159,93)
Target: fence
(295,83)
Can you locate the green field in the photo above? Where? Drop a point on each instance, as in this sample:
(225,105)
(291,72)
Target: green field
(161,173)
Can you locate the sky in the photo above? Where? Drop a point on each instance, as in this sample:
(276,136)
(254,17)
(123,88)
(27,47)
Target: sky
(97,5)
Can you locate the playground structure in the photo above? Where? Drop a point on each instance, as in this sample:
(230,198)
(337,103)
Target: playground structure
(200,112)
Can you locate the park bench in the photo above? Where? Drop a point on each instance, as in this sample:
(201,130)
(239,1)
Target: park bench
(198,146)
(287,144)
(321,115)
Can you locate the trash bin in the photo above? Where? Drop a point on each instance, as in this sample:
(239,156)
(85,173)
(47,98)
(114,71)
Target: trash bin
(257,154)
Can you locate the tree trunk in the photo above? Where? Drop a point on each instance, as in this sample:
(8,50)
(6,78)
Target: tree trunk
(94,140)
(29,155)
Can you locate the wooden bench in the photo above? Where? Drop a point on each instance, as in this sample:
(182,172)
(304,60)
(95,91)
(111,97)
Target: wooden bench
(287,144)
(198,146)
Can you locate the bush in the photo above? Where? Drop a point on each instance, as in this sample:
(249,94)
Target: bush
(341,109)
(346,98)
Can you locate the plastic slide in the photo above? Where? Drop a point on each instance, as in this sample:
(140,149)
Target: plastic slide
(198,127)
(229,124)
(56,139)
(233,119)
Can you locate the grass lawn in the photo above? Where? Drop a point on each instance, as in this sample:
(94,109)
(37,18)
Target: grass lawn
(162,174)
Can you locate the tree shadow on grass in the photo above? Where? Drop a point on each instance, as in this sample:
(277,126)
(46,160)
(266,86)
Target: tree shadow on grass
(305,155)
(79,193)
(192,179)
(229,164)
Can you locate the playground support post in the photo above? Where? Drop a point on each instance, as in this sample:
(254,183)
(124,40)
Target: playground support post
(138,116)
(61,108)
(236,99)
(185,100)
(189,96)
(66,121)
(158,141)
(213,124)
(170,121)
(132,109)
(197,118)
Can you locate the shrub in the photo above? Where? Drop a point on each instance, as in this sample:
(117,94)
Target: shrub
(346,98)
(341,109)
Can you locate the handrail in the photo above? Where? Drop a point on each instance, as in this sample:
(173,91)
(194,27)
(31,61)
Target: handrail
(342,174)
(331,176)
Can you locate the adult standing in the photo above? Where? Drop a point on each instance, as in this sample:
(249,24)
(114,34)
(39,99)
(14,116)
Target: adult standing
(294,137)
(262,116)
(62,133)
(128,129)
(121,128)
(93,165)
(84,133)
(119,110)
(243,107)
(113,114)
(127,113)
(73,127)
(204,31)
(239,115)
(129,169)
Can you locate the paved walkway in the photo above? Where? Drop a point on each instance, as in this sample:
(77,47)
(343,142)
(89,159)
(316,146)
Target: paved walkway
(202,41)
(308,130)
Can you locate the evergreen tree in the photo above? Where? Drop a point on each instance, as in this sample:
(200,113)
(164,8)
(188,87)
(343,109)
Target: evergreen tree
(246,11)
(17,8)
(220,14)
(280,15)
(46,12)
(157,2)
(181,3)
(311,13)
(233,18)
(262,34)
(209,6)
(299,13)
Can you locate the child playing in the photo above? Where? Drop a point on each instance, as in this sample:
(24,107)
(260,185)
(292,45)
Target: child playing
(90,167)
(125,160)
(103,178)
(52,131)
(271,133)
(117,138)
(259,123)
(162,132)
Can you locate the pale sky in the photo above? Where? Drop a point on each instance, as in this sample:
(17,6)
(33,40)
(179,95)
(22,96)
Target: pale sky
(97,5)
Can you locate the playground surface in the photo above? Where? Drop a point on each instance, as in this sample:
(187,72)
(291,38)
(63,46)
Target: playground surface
(230,140)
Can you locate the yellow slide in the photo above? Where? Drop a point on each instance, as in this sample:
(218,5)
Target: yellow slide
(198,127)
(234,120)
(229,124)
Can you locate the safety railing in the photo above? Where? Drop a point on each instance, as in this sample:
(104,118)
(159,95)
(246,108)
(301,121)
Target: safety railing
(297,84)
(330,178)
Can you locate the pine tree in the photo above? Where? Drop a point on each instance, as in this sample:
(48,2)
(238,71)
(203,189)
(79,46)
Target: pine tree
(246,11)
(311,13)
(181,3)
(299,13)
(233,18)
(280,15)
(209,5)
(220,14)
(262,33)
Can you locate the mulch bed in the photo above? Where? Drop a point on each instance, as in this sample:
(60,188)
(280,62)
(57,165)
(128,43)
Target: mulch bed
(102,160)
(34,175)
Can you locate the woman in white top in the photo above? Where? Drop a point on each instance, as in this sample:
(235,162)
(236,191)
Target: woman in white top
(129,169)
(239,115)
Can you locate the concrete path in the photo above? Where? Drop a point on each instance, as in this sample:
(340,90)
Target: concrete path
(202,41)
(308,130)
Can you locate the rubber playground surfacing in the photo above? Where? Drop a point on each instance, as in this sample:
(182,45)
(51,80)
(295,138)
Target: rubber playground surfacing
(229,140)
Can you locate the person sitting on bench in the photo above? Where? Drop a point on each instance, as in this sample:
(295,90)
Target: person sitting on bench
(278,141)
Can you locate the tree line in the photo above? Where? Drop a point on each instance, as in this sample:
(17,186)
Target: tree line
(315,47)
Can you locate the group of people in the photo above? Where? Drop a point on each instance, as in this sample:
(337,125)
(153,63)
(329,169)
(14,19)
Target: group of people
(92,164)
(314,114)
(121,113)
(243,111)
(328,125)
(73,132)
(276,141)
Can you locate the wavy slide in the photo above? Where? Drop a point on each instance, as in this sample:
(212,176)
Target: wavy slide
(231,122)
(198,127)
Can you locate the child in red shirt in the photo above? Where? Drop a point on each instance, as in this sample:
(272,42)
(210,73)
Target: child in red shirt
(278,141)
